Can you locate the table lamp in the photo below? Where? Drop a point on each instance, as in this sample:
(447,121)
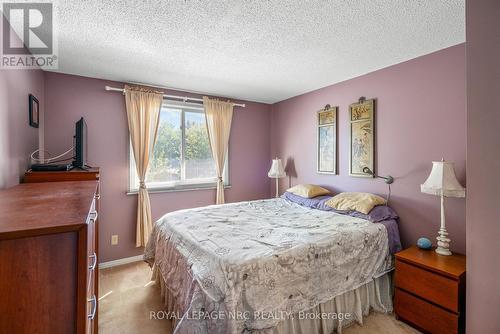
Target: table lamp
(277,171)
(443,182)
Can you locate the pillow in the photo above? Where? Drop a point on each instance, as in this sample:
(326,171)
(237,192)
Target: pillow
(376,215)
(361,202)
(381,213)
(308,190)
(312,203)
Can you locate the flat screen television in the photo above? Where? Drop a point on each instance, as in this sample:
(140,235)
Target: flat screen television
(80,144)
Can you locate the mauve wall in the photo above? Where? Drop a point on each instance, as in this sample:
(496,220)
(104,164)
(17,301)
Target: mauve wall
(483,165)
(70,97)
(420,117)
(17,138)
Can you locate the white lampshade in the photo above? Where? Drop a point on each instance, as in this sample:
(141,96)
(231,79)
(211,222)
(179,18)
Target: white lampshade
(443,180)
(276,170)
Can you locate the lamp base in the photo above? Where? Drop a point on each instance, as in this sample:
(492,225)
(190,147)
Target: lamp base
(443,242)
(277,189)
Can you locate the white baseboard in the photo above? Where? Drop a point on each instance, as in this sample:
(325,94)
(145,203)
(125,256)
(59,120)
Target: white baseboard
(119,262)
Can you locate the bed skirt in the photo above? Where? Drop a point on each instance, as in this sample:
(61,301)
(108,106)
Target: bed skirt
(329,317)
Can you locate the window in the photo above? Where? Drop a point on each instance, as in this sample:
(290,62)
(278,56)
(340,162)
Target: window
(182,157)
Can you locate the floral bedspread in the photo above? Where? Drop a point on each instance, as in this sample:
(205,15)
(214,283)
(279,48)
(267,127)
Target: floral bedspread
(252,259)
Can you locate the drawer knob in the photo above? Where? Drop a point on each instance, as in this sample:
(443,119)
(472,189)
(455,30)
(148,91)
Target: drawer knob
(93,217)
(94,261)
(92,300)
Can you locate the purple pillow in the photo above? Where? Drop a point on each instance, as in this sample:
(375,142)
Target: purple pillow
(377,214)
(308,202)
(380,213)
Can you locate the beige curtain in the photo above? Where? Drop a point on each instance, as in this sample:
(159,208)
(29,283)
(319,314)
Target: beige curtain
(143,111)
(218,115)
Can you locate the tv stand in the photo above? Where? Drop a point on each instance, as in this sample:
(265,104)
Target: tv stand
(76,174)
(84,168)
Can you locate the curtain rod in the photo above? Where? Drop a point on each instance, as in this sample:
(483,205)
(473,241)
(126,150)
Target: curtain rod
(183,98)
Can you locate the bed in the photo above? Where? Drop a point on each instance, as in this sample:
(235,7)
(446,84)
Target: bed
(270,266)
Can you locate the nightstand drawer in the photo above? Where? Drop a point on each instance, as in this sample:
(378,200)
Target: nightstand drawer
(425,315)
(430,286)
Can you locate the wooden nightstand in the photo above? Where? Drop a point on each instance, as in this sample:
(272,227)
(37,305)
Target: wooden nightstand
(430,290)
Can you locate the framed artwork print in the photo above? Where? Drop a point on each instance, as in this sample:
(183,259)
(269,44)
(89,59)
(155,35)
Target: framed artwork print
(327,140)
(362,137)
(34,110)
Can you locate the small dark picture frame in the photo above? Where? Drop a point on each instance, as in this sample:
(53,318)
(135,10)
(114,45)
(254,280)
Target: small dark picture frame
(34,110)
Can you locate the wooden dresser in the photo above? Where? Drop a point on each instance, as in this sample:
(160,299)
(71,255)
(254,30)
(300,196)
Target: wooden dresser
(430,290)
(48,257)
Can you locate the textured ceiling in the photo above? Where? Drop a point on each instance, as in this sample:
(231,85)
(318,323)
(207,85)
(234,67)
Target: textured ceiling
(258,50)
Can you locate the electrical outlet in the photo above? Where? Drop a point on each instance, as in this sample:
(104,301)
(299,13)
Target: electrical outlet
(114,239)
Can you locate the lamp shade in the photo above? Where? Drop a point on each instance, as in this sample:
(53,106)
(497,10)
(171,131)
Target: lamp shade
(276,170)
(443,180)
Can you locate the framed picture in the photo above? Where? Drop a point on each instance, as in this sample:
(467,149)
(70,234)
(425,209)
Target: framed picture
(362,137)
(327,140)
(34,110)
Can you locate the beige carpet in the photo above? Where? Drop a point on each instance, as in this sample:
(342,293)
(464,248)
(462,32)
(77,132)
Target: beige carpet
(126,298)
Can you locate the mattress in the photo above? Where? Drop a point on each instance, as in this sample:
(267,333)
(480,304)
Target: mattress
(253,262)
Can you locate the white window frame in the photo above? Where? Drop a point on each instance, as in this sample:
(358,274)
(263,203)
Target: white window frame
(181,185)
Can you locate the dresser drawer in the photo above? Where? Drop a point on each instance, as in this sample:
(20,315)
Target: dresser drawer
(91,237)
(92,215)
(91,274)
(428,317)
(430,286)
(92,302)
(92,260)
(91,313)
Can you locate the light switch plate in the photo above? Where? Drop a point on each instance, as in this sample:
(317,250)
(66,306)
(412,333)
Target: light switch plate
(114,239)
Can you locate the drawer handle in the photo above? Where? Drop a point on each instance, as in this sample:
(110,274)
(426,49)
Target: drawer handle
(92,300)
(94,262)
(93,217)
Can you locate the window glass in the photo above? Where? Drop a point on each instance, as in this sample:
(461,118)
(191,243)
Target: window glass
(182,157)
(199,163)
(166,163)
